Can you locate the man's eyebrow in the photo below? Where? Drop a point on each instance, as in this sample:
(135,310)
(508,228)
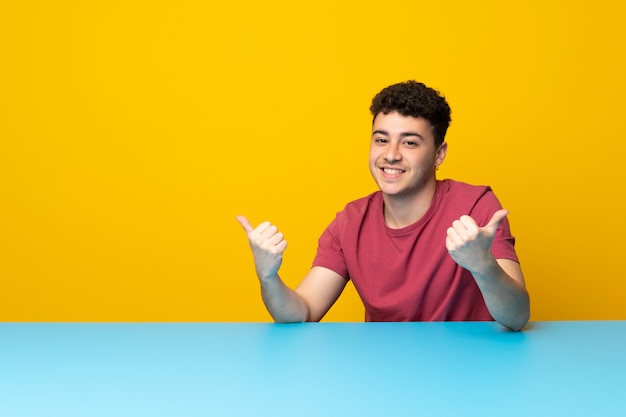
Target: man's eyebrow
(402,135)
(411,134)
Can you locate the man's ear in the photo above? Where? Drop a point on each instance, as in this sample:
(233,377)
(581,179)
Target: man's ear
(441,153)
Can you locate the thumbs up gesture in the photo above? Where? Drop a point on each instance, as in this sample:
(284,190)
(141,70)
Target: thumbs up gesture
(469,244)
(267,244)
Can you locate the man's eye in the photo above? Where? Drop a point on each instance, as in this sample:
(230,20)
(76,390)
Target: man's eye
(380,140)
(410,143)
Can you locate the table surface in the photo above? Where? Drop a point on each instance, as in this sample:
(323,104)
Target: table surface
(551,369)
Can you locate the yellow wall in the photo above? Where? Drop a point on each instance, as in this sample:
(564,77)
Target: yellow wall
(132,133)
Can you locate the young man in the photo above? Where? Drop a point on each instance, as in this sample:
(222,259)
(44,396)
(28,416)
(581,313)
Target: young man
(419,249)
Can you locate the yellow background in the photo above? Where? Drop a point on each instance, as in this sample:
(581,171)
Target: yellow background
(132,133)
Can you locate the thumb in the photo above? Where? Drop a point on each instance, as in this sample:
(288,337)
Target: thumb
(245,223)
(497,217)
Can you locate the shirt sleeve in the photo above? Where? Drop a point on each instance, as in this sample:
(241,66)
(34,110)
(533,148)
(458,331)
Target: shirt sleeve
(329,250)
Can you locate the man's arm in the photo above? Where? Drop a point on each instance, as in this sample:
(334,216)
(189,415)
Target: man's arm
(314,296)
(500,281)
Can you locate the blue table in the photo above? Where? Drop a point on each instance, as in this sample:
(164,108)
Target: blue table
(312,369)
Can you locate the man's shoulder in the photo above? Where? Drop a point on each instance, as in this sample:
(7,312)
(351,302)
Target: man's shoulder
(459,197)
(462,189)
(357,208)
(362,203)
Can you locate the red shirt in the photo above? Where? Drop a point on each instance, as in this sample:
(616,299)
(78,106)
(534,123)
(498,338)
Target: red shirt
(407,274)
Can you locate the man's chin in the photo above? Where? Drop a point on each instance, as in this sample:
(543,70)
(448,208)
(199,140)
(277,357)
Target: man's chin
(392,192)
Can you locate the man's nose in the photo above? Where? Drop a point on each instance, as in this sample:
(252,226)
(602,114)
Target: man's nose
(392,153)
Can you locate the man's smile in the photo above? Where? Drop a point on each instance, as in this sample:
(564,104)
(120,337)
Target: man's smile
(392,171)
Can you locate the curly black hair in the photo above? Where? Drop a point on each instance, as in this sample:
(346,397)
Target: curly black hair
(412,98)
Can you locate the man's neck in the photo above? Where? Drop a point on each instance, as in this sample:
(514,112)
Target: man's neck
(402,211)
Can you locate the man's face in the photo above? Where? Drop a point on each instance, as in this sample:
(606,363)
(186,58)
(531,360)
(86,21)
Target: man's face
(403,156)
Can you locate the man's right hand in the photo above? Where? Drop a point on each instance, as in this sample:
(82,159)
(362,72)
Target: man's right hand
(267,244)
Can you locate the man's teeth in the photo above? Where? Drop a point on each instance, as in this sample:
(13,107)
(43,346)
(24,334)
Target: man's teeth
(392,171)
